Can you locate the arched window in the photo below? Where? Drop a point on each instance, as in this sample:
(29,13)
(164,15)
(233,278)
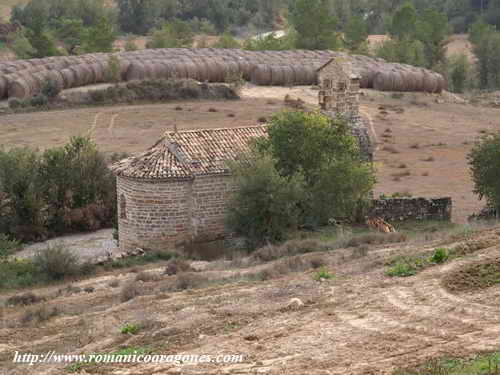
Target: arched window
(123,207)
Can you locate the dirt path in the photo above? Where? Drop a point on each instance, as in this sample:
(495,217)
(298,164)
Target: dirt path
(85,245)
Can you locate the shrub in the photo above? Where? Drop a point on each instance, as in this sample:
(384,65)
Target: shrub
(97,96)
(264,205)
(50,89)
(306,172)
(440,256)
(323,274)
(8,246)
(485,169)
(129,291)
(39,100)
(402,269)
(40,314)
(19,274)
(189,280)
(57,263)
(113,71)
(15,103)
(23,299)
(177,266)
(129,329)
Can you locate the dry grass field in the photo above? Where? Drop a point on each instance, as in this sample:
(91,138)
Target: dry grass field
(422,143)
(128,128)
(360,322)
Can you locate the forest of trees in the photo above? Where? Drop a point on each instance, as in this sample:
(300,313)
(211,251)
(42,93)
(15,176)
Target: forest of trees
(419,29)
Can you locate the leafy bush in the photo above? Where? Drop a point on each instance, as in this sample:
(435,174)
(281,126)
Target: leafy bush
(440,256)
(40,314)
(264,206)
(15,103)
(61,190)
(39,100)
(23,299)
(309,170)
(113,71)
(459,73)
(8,246)
(485,169)
(129,329)
(19,274)
(402,269)
(57,263)
(323,274)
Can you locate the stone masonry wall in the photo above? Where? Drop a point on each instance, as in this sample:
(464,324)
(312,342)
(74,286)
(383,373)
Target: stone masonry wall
(160,215)
(401,209)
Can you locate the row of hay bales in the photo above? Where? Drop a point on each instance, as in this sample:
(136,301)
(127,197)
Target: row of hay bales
(24,78)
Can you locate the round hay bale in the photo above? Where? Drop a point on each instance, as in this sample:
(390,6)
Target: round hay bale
(383,81)
(429,81)
(289,76)
(56,77)
(201,69)
(277,75)
(83,75)
(262,75)
(4,84)
(398,81)
(69,78)
(136,71)
(97,72)
(442,84)
(21,87)
(192,70)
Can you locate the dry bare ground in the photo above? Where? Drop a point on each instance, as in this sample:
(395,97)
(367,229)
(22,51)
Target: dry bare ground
(361,322)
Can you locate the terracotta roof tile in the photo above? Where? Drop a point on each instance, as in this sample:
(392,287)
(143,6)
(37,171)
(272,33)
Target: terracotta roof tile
(191,153)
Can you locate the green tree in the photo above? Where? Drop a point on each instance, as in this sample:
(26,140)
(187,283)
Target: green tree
(22,47)
(432,29)
(20,184)
(325,152)
(315,26)
(264,206)
(227,41)
(174,34)
(404,51)
(355,34)
(487,51)
(479,30)
(484,161)
(270,42)
(459,73)
(404,22)
(99,38)
(43,43)
(71,32)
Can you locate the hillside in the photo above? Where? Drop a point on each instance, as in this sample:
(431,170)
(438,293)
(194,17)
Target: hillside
(360,322)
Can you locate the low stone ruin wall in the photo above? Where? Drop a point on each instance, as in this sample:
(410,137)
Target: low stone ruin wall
(402,209)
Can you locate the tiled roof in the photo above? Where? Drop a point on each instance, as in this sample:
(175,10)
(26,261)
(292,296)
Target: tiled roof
(191,153)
